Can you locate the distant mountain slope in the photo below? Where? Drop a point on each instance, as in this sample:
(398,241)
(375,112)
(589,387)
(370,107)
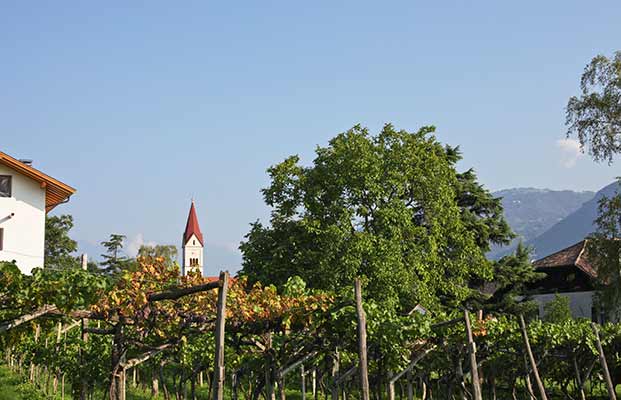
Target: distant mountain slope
(530,212)
(571,229)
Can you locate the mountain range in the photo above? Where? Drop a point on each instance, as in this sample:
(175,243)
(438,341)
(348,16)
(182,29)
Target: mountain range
(549,220)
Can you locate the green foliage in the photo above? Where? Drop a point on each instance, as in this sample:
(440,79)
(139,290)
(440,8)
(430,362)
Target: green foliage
(295,286)
(267,332)
(167,252)
(604,250)
(390,207)
(595,116)
(8,383)
(114,261)
(512,274)
(557,310)
(67,289)
(481,213)
(58,245)
(28,391)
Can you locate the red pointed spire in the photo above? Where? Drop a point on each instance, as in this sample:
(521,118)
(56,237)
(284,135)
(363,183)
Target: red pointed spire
(192,227)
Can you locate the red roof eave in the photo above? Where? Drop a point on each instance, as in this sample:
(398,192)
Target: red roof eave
(56,192)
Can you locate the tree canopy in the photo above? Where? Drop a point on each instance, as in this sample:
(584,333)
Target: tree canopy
(390,207)
(595,116)
(167,252)
(114,260)
(58,245)
(604,248)
(512,274)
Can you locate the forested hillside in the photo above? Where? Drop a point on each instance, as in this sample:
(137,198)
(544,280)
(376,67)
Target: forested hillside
(530,212)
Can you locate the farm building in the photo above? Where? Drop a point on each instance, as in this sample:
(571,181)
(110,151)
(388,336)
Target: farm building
(570,273)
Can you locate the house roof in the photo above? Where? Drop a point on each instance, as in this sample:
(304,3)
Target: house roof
(56,192)
(572,256)
(192,227)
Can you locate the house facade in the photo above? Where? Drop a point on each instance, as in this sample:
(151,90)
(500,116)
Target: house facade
(571,274)
(26,196)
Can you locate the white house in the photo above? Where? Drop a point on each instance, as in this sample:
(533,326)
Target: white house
(26,196)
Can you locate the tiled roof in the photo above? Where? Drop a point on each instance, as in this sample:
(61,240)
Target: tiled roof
(192,227)
(574,255)
(232,279)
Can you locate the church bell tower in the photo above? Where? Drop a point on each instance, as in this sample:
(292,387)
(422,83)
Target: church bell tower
(192,244)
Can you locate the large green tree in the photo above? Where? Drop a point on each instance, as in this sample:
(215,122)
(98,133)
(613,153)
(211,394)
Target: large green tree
(481,212)
(390,207)
(58,245)
(595,116)
(605,251)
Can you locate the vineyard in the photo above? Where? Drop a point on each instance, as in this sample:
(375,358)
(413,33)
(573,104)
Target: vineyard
(71,335)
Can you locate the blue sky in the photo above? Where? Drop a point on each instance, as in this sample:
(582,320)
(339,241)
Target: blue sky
(142,105)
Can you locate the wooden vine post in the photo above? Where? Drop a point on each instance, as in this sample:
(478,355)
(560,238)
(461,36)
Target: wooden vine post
(362,342)
(303,376)
(83,377)
(117,378)
(408,371)
(335,360)
(602,359)
(474,368)
(531,358)
(218,379)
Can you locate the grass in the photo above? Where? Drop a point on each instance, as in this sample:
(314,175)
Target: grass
(8,384)
(12,387)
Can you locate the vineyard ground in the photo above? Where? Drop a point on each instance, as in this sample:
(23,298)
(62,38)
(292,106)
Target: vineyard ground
(14,387)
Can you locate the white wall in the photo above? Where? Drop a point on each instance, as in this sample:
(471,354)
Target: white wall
(580,303)
(192,249)
(24,233)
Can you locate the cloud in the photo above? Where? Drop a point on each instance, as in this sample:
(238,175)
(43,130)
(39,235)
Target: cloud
(570,151)
(132,245)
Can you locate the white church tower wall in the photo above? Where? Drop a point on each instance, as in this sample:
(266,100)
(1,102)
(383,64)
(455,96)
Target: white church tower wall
(192,244)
